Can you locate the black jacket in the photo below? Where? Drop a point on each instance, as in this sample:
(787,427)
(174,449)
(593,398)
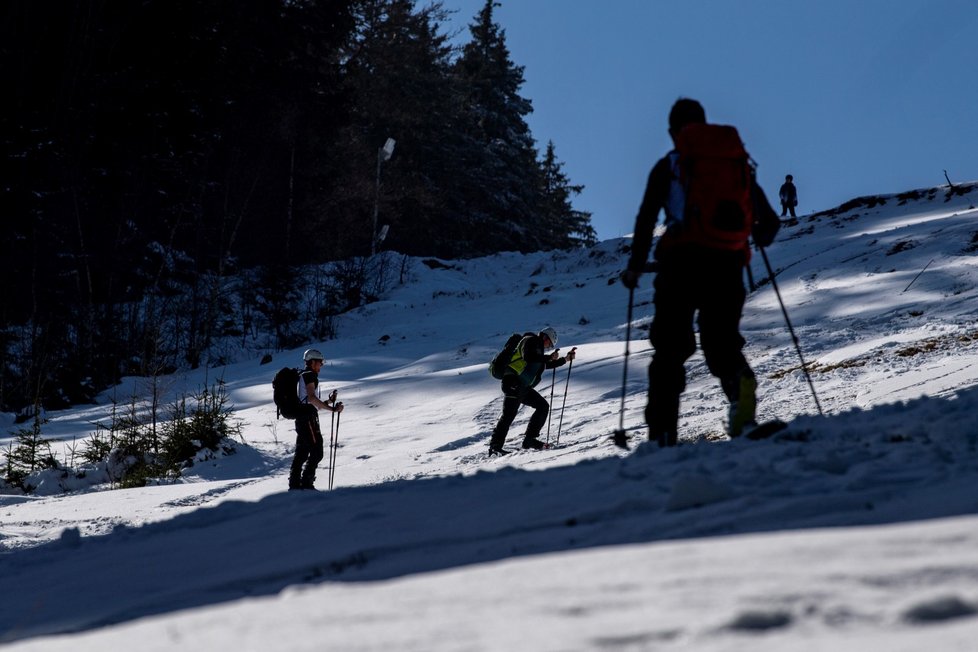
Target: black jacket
(788,194)
(532,352)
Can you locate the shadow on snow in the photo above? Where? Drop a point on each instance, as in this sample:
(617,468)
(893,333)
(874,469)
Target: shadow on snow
(889,464)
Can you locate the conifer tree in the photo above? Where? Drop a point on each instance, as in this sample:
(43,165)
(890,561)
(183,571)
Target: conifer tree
(569,227)
(509,169)
(399,78)
(153,150)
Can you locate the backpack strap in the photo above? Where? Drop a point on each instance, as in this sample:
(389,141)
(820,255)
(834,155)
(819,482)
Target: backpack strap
(300,387)
(675,204)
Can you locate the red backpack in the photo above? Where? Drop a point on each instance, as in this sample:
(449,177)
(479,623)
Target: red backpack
(715,171)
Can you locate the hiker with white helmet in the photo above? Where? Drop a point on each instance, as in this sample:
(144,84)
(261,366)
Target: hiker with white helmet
(521,375)
(309,438)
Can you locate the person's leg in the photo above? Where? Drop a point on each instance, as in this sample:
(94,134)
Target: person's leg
(673,340)
(315,454)
(301,453)
(304,443)
(511,405)
(541,409)
(719,322)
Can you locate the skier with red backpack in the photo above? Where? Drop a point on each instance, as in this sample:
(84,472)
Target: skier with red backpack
(712,206)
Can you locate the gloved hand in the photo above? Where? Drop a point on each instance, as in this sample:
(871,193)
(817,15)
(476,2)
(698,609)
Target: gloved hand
(764,232)
(766,222)
(629,278)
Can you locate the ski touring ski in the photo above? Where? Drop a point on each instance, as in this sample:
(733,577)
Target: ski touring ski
(764,430)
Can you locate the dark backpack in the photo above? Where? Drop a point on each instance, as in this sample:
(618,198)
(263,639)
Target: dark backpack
(285,392)
(499,365)
(716,174)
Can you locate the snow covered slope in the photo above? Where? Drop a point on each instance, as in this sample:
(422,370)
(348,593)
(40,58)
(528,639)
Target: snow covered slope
(850,531)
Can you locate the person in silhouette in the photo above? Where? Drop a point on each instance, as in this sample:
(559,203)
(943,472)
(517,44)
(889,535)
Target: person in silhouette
(523,374)
(789,196)
(697,279)
(309,443)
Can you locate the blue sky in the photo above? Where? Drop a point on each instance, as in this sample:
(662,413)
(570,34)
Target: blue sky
(851,97)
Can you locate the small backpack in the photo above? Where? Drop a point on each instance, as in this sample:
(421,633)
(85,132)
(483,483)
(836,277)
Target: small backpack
(499,365)
(716,174)
(285,392)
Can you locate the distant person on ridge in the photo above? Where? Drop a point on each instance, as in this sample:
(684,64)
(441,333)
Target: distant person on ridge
(789,196)
(309,437)
(522,374)
(712,205)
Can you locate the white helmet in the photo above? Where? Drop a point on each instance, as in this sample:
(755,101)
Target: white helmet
(312,354)
(551,335)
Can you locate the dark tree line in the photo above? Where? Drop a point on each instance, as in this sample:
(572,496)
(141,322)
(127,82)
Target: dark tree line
(166,165)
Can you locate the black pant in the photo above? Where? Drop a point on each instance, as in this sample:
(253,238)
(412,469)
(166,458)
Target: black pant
(515,394)
(787,207)
(691,281)
(308,448)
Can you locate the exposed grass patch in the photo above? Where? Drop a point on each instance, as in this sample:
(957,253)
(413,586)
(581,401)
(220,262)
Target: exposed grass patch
(942,343)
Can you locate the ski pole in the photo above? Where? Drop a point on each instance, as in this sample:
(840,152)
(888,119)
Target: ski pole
(794,338)
(332,424)
(553,382)
(332,435)
(918,275)
(560,422)
(620,438)
(332,462)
